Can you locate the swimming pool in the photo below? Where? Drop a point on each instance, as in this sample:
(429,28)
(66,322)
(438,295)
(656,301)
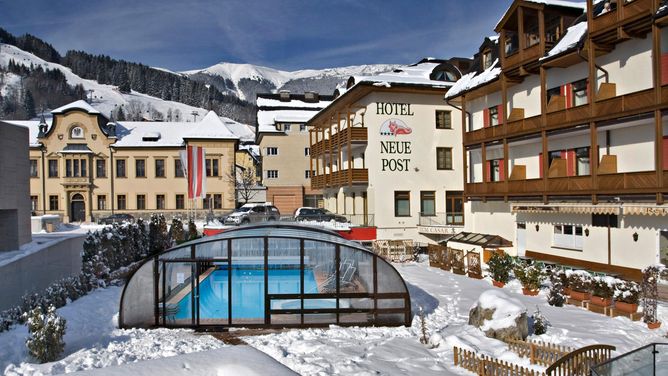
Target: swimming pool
(247,293)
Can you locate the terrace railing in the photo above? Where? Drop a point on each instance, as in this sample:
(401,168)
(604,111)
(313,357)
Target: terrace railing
(442,219)
(646,360)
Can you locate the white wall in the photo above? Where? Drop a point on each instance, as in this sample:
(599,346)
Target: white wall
(633,146)
(629,66)
(475,166)
(560,76)
(527,154)
(526,95)
(477,106)
(491,217)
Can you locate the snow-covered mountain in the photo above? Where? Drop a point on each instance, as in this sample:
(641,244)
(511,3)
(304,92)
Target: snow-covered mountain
(245,80)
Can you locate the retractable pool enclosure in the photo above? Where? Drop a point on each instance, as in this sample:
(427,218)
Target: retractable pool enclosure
(273,275)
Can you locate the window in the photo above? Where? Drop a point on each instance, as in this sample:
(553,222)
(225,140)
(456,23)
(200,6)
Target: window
(212,167)
(101,168)
(444,158)
(307,152)
(159,168)
(77,132)
(493,116)
(140,168)
(206,202)
(302,127)
(68,168)
(604,220)
(53,168)
(486,59)
(75,168)
(120,168)
(287,127)
(217,201)
(272,150)
(427,203)
(84,164)
(568,236)
(33,168)
(141,202)
(454,208)
(180,202)
(579,92)
(120,202)
(495,169)
(178,168)
(272,174)
(443,120)
(402,204)
(53,202)
(33,203)
(101,202)
(160,202)
(582,161)
(308,174)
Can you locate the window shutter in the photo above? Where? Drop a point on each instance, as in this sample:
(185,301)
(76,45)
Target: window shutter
(567,93)
(485,118)
(570,162)
(502,168)
(500,113)
(540,164)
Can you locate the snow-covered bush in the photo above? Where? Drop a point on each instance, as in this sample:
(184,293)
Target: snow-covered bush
(500,267)
(540,323)
(529,275)
(159,237)
(176,230)
(45,342)
(192,230)
(627,292)
(556,296)
(580,280)
(603,287)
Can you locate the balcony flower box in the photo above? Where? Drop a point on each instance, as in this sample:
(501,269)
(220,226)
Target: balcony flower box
(626,307)
(529,292)
(498,284)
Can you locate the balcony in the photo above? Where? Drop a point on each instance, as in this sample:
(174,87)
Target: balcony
(634,16)
(340,139)
(626,104)
(340,178)
(522,57)
(568,116)
(613,184)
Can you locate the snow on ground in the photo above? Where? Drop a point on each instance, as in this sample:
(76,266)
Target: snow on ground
(446,299)
(92,340)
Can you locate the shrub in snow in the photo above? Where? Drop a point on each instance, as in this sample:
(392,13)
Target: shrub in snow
(627,292)
(580,280)
(499,316)
(45,342)
(556,296)
(603,287)
(529,275)
(540,323)
(176,230)
(192,230)
(500,267)
(424,333)
(159,238)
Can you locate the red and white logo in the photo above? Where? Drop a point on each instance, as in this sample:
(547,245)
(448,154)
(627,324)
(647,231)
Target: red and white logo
(394,127)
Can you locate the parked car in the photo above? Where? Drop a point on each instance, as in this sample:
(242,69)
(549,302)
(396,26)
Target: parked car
(318,214)
(116,218)
(252,213)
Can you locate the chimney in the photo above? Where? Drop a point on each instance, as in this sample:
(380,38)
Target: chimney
(284,95)
(311,96)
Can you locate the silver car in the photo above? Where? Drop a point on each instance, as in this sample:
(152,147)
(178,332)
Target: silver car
(253,213)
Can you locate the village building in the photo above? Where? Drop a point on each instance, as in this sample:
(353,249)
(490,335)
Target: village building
(565,134)
(283,138)
(84,166)
(387,152)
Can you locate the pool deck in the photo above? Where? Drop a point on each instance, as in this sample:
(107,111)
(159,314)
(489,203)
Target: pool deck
(186,290)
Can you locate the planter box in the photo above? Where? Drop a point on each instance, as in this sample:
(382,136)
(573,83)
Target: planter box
(626,307)
(601,302)
(498,284)
(654,325)
(529,292)
(567,291)
(579,295)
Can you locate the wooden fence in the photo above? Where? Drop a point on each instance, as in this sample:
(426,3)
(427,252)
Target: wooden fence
(579,362)
(538,352)
(486,366)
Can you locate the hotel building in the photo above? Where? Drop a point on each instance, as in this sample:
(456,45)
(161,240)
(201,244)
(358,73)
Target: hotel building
(387,152)
(84,166)
(565,133)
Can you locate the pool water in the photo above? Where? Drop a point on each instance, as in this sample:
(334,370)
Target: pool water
(247,293)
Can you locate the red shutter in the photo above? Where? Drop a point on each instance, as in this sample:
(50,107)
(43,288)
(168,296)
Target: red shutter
(567,93)
(485,118)
(665,152)
(570,162)
(501,170)
(664,68)
(488,176)
(540,164)
(499,109)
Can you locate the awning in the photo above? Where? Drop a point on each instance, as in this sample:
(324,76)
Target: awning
(76,149)
(577,208)
(653,210)
(482,240)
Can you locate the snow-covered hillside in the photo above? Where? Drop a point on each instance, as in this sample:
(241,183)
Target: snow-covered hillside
(234,78)
(105,97)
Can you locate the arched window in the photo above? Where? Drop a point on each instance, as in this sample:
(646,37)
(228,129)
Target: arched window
(77,132)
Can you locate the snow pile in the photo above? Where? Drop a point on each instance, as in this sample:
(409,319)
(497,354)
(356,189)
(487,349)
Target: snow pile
(572,37)
(473,80)
(506,309)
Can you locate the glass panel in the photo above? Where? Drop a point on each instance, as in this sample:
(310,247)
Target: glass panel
(277,319)
(319,260)
(248,281)
(391,318)
(640,362)
(215,250)
(360,303)
(178,301)
(388,278)
(357,318)
(329,303)
(391,303)
(284,267)
(320,318)
(138,300)
(355,271)
(178,253)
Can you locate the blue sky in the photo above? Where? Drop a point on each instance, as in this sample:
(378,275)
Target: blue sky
(288,34)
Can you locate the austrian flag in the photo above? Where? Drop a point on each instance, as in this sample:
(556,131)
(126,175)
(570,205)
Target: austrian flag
(192,161)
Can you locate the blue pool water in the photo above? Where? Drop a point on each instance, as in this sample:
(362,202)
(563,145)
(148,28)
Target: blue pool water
(247,293)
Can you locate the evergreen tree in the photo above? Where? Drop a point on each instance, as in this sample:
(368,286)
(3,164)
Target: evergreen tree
(540,323)
(120,115)
(45,342)
(29,105)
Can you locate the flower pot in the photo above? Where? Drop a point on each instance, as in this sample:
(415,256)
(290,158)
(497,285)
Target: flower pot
(579,295)
(654,325)
(626,307)
(600,301)
(498,284)
(529,292)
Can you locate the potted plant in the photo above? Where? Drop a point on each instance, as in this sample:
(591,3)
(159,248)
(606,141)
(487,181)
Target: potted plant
(602,291)
(530,276)
(500,266)
(579,283)
(627,296)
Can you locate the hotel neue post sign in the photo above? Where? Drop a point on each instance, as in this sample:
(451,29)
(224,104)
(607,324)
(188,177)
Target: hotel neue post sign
(395,150)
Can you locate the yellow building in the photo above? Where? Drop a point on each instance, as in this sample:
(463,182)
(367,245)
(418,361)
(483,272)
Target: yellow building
(84,167)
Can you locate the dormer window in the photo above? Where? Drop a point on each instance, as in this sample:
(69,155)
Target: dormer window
(486,59)
(76,132)
(442,73)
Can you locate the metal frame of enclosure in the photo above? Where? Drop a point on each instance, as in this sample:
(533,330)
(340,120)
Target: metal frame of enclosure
(269,275)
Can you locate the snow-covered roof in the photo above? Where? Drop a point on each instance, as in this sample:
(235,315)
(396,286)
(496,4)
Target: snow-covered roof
(132,133)
(266,119)
(573,36)
(557,3)
(253,149)
(244,131)
(79,105)
(473,80)
(33,128)
(272,102)
(418,74)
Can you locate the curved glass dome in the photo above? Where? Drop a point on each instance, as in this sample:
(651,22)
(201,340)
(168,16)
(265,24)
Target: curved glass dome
(271,275)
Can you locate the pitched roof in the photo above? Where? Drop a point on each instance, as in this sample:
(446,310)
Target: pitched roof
(78,105)
(473,80)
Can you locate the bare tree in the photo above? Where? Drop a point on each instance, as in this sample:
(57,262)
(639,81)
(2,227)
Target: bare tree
(135,110)
(245,182)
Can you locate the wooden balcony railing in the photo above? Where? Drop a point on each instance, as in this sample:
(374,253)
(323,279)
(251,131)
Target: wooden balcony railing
(524,56)
(340,178)
(624,103)
(340,139)
(620,183)
(626,12)
(570,116)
